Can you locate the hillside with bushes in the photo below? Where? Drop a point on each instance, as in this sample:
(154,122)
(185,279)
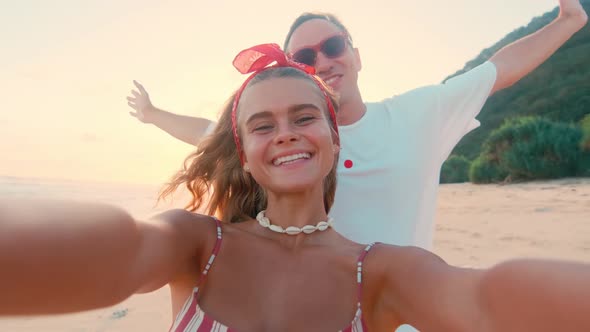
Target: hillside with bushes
(525,128)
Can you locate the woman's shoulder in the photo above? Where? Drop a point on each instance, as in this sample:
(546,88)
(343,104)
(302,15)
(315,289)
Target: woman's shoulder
(191,226)
(182,216)
(195,236)
(406,252)
(401,260)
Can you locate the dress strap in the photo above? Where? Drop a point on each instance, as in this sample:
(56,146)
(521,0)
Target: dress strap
(359,273)
(216,248)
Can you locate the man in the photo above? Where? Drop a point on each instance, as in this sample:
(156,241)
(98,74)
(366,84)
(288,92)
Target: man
(392,150)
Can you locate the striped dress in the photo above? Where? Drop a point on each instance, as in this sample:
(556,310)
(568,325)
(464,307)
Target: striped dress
(192,319)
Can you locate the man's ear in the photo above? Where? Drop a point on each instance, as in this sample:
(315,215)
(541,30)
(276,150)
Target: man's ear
(357,59)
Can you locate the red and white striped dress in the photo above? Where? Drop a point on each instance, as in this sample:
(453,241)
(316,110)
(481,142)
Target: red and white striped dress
(192,319)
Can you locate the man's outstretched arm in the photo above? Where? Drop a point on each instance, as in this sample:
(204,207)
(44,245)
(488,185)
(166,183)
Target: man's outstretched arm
(185,128)
(516,60)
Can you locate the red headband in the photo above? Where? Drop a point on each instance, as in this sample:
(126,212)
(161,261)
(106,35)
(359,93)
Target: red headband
(259,58)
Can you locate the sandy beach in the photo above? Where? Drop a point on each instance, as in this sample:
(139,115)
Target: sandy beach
(477,225)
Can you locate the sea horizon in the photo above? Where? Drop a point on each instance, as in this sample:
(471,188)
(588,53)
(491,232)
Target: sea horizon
(141,200)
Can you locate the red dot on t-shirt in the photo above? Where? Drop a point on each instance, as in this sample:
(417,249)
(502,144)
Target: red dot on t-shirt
(348,163)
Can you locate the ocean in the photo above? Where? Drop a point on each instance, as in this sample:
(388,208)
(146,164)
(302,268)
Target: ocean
(137,199)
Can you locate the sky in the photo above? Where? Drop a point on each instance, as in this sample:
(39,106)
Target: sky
(66,67)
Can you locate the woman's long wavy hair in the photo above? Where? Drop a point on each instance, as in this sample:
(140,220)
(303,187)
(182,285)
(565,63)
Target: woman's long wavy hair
(214,176)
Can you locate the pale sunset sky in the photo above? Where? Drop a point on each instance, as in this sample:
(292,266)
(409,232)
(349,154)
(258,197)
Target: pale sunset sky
(66,67)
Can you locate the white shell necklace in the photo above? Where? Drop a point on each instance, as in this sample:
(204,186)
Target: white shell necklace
(293,230)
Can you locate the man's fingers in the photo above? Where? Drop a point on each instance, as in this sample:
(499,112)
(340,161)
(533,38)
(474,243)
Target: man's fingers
(132,105)
(139,87)
(135,93)
(133,114)
(131,99)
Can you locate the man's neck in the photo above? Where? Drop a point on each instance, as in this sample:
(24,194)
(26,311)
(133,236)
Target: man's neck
(351,111)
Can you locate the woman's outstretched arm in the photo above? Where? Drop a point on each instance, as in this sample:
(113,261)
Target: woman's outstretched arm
(519,295)
(58,256)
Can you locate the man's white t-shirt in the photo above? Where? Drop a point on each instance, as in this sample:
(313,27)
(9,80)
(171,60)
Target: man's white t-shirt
(390,160)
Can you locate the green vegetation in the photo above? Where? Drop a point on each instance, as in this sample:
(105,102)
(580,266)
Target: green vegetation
(529,148)
(585,126)
(558,91)
(455,170)
(485,170)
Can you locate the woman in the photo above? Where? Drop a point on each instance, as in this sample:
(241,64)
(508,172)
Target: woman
(274,264)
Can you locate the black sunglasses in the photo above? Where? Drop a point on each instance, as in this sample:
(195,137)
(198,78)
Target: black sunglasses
(331,47)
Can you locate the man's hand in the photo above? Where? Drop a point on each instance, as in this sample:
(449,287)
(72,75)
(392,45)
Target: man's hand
(572,8)
(140,102)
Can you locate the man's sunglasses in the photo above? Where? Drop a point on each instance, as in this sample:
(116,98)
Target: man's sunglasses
(331,47)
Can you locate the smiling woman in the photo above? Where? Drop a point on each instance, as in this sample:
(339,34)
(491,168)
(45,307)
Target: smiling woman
(270,165)
(291,139)
(271,106)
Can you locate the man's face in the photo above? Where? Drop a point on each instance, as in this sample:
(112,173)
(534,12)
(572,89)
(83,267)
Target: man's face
(341,72)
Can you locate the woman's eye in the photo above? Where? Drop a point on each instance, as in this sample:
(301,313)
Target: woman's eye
(262,128)
(304,119)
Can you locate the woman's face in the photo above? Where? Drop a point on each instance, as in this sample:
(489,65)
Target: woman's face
(288,144)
